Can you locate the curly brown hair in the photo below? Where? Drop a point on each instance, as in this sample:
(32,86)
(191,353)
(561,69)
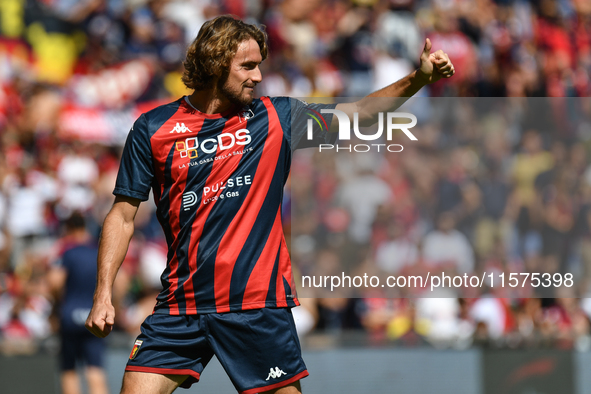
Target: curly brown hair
(210,55)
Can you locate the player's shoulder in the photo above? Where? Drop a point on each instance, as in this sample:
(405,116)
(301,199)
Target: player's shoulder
(284,100)
(265,102)
(165,110)
(153,119)
(284,103)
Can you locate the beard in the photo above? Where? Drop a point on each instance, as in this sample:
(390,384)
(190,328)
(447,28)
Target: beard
(236,96)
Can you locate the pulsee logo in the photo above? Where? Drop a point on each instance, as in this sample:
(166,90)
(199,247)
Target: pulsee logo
(344,124)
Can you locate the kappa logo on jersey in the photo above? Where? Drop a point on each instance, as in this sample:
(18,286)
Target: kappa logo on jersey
(189,199)
(275,373)
(189,147)
(136,348)
(180,128)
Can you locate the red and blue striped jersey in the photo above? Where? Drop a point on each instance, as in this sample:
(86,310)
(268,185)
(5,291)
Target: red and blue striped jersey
(218,187)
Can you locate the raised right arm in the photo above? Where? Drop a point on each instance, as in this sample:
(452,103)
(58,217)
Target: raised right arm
(115,237)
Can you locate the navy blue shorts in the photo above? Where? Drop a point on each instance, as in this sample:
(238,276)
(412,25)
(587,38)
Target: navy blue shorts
(259,349)
(81,347)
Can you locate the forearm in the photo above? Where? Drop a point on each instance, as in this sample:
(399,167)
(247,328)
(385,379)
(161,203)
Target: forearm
(402,89)
(433,66)
(391,97)
(115,237)
(384,100)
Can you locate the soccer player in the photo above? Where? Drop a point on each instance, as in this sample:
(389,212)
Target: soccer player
(217,161)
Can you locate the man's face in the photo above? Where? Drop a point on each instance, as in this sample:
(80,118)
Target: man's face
(244,74)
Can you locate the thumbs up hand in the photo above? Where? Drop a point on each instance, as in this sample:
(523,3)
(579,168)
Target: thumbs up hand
(436,65)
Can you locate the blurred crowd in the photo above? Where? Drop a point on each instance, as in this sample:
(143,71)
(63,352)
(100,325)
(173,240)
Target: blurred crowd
(492,187)
(493,194)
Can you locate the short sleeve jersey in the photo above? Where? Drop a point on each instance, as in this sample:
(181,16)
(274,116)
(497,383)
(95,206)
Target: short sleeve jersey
(218,187)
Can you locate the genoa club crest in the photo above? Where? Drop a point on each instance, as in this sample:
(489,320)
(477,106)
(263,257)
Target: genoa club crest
(246,113)
(136,348)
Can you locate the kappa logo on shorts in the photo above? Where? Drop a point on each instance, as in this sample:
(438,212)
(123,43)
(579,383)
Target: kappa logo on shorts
(275,373)
(136,348)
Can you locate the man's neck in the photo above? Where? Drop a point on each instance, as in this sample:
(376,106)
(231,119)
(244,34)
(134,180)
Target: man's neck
(79,236)
(210,102)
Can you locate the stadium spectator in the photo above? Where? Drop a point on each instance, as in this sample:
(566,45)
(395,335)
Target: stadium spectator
(397,252)
(447,248)
(72,280)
